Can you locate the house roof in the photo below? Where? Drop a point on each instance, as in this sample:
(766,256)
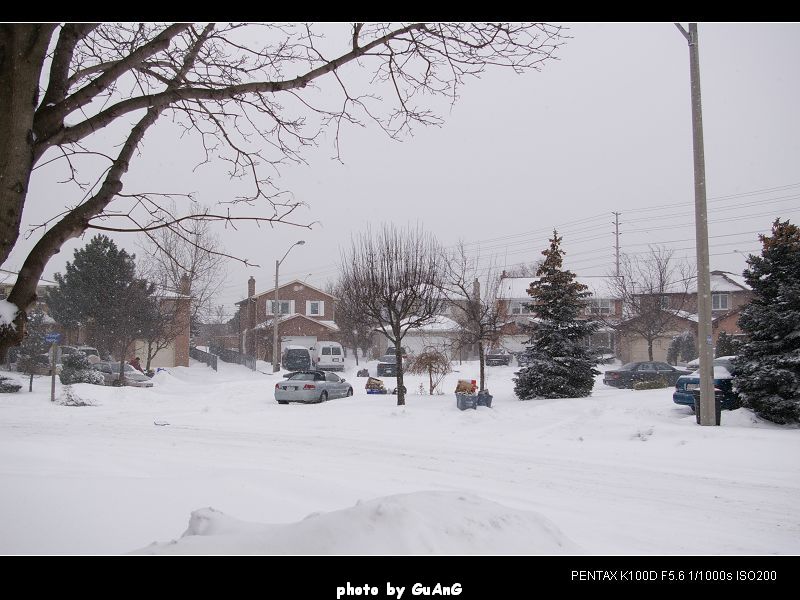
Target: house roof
(287,284)
(439,324)
(721,281)
(283,318)
(516,288)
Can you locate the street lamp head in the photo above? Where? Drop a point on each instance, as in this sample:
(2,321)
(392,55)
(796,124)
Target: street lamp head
(300,243)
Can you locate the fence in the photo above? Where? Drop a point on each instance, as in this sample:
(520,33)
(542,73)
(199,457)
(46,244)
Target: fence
(206,357)
(232,356)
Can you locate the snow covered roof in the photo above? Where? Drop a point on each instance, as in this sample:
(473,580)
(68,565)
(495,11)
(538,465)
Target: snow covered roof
(516,288)
(721,281)
(281,318)
(439,323)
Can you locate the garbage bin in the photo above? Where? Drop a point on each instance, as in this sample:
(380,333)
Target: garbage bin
(465,401)
(717,406)
(484,399)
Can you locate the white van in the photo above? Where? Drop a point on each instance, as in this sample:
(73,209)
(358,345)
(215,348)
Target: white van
(328,356)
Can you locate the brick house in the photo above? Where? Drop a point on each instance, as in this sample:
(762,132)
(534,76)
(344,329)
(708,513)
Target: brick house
(305,316)
(729,294)
(176,304)
(514,300)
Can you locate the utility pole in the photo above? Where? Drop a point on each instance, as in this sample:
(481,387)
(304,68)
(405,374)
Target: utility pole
(616,238)
(705,341)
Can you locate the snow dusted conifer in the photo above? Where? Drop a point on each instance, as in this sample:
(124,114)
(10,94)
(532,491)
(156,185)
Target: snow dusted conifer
(561,365)
(768,365)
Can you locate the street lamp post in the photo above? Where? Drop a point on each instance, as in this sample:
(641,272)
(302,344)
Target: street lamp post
(276,363)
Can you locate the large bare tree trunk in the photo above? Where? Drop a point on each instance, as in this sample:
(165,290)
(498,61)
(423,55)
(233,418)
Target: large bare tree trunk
(22,52)
(482,360)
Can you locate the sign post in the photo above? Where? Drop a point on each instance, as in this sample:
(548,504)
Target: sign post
(53,338)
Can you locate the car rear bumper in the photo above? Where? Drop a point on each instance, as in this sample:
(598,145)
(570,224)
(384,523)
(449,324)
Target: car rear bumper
(683,398)
(304,396)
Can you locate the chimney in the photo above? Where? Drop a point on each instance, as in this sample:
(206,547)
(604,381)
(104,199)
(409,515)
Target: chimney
(476,289)
(185,286)
(251,287)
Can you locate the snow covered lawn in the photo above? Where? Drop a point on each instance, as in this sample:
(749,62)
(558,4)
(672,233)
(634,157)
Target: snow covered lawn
(207,462)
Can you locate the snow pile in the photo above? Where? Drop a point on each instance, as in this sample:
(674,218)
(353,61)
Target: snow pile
(7,313)
(427,523)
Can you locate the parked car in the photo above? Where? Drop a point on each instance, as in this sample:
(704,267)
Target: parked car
(390,350)
(296,358)
(627,375)
(312,386)
(688,386)
(387,365)
(110,371)
(522,359)
(499,357)
(328,356)
(88,351)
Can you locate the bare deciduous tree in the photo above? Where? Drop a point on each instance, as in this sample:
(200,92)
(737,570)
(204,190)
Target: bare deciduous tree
(433,363)
(252,95)
(654,289)
(395,277)
(355,325)
(476,308)
(189,250)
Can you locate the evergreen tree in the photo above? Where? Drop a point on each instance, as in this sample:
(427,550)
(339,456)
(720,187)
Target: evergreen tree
(768,365)
(727,345)
(32,352)
(674,350)
(100,290)
(560,364)
(688,346)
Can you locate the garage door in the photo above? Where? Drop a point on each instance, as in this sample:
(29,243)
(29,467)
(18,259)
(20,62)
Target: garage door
(298,340)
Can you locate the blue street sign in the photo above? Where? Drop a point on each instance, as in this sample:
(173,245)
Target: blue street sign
(52,337)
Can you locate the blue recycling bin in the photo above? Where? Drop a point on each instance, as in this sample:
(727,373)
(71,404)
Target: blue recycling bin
(465,401)
(484,398)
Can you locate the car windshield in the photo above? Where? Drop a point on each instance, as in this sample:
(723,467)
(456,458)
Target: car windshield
(303,376)
(628,367)
(128,368)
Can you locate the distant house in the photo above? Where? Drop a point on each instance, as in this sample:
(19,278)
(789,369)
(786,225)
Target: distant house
(729,294)
(515,304)
(442,333)
(174,350)
(305,315)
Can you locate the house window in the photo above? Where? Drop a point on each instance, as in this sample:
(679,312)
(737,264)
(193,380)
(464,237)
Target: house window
(720,301)
(599,306)
(520,308)
(315,308)
(285,307)
(664,302)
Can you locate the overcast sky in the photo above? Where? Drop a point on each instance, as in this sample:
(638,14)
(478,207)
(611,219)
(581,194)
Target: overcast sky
(605,128)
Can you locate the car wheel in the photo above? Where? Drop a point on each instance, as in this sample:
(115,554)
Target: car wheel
(323,396)
(350,392)
(283,402)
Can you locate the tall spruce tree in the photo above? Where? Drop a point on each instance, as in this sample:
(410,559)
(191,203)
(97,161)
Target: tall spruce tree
(101,291)
(727,345)
(768,365)
(561,365)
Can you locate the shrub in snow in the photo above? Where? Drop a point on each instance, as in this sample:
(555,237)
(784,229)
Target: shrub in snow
(8,385)
(560,363)
(768,364)
(68,397)
(78,369)
(653,384)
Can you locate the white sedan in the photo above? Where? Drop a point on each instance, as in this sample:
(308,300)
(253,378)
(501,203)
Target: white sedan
(311,386)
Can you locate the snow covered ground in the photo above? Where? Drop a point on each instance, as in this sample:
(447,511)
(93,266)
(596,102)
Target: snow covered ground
(208,463)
